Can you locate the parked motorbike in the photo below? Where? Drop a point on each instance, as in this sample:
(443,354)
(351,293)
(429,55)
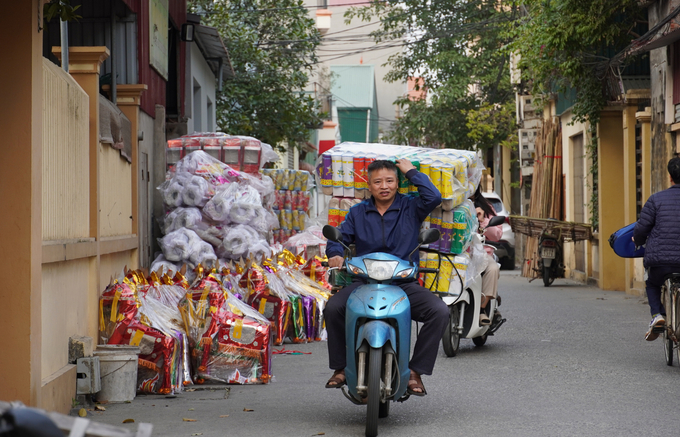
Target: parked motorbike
(551,263)
(378,329)
(465,308)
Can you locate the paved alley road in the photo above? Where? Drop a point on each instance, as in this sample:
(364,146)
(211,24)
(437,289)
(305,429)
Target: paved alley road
(570,361)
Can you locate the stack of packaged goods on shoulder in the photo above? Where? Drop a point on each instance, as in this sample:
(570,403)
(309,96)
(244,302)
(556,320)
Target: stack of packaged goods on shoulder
(342,173)
(221,327)
(246,154)
(291,201)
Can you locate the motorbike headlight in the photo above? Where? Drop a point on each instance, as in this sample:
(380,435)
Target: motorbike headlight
(380,270)
(355,270)
(404,273)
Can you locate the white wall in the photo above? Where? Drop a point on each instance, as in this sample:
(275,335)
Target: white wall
(203,85)
(386,92)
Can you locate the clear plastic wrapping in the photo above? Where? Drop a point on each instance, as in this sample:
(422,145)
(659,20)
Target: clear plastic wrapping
(456,173)
(184,245)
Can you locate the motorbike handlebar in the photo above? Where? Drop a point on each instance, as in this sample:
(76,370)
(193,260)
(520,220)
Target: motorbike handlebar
(428,270)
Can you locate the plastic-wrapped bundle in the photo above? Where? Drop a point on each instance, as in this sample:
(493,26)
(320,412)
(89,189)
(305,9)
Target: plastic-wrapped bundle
(212,234)
(237,241)
(201,164)
(465,224)
(478,257)
(162,265)
(180,244)
(241,352)
(219,207)
(196,192)
(172,190)
(159,308)
(204,254)
(300,284)
(183,218)
(263,185)
(157,355)
(117,304)
(272,301)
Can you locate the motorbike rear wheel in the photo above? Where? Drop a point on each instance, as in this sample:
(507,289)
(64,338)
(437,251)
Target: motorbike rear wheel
(451,338)
(480,341)
(373,407)
(548,277)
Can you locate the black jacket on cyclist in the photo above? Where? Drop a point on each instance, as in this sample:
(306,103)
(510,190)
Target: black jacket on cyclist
(659,227)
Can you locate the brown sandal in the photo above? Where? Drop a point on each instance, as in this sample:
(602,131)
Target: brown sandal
(415,383)
(337,380)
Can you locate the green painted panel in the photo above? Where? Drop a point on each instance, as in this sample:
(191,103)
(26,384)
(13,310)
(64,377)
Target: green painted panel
(353,124)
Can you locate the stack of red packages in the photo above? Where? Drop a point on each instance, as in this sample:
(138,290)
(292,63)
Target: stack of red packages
(268,298)
(158,353)
(117,304)
(230,342)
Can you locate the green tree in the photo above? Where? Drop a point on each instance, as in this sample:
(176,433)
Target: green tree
(562,44)
(272,46)
(456,47)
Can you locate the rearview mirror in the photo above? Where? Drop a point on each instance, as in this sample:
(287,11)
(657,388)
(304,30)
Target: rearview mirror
(332,233)
(429,236)
(496,220)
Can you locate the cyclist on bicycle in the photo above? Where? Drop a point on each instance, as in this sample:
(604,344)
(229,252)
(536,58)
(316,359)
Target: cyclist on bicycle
(659,227)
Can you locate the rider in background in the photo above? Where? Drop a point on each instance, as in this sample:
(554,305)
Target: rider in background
(659,227)
(388,222)
(494,233)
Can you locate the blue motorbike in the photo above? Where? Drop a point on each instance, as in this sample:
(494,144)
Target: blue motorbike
(378,329)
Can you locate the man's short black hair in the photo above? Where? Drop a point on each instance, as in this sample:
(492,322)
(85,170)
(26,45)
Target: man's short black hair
(381,164)
(674,169)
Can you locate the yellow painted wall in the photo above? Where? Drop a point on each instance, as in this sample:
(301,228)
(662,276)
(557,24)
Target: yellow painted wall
(65,185)
(21,125)
(610,183)
(65,308)
(570,130)
(115,186)
(112,266)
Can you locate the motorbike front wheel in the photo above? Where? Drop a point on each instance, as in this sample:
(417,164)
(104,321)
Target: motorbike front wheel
(451,338)
(373,407)
(548,277)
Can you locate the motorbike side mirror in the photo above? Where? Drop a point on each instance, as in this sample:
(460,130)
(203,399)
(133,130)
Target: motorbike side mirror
(429,236)
(496,220)
(332,233)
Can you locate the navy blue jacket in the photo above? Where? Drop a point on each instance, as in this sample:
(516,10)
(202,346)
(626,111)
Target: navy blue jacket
(659,227)
(395,232)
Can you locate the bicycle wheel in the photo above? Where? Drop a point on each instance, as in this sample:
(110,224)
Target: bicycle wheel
(674,312)
(668,347)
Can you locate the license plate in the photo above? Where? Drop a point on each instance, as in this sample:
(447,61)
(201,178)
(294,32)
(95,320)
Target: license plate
(548,252)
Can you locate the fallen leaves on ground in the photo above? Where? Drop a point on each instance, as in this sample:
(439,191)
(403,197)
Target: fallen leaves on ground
(197,433)
(82,412)
(99,408)
(188,420)
(224,415)
(248,410)
(129,421)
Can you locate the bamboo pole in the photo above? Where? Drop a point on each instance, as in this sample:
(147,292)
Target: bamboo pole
(546,190)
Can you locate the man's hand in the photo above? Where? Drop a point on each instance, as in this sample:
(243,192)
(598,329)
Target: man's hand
(404,165)
(335,262)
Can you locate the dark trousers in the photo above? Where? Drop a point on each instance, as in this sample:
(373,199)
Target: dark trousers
(655,277)
(426,307)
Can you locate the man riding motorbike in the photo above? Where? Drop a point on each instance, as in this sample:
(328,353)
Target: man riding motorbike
(388,222)
(659,227)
